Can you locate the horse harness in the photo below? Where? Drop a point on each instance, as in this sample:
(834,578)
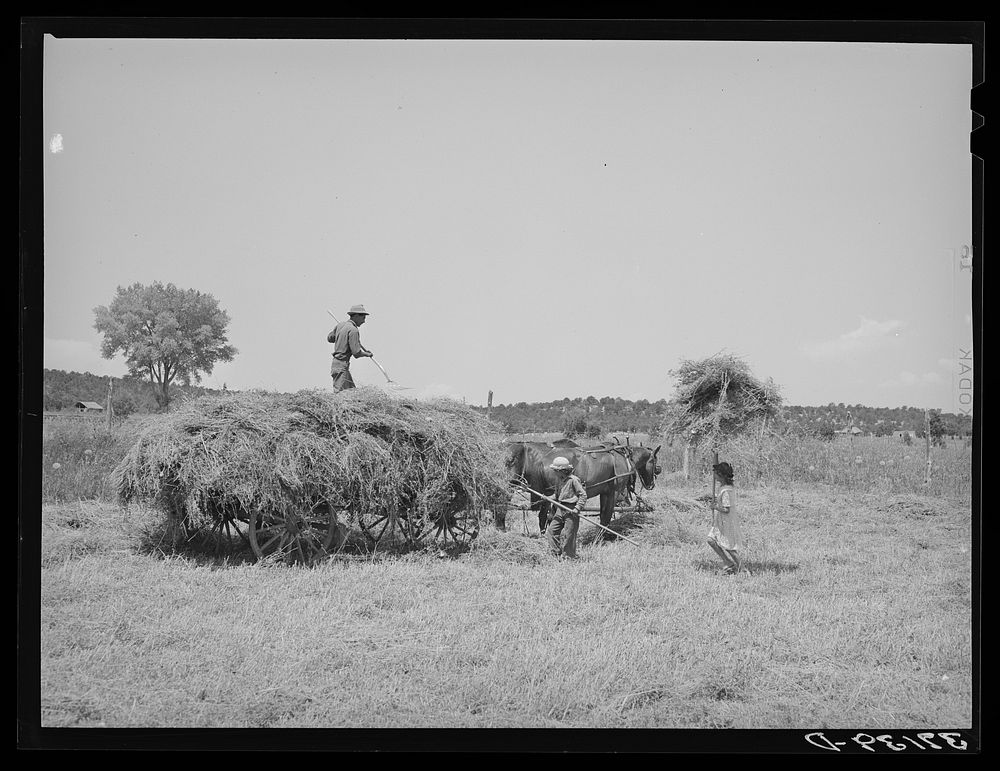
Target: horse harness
(619,450)
(632,471)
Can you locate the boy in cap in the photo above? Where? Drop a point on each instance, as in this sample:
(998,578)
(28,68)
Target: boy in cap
(726,535)
(347,343)
(571,493)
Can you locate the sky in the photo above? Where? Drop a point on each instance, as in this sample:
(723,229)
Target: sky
(537,218)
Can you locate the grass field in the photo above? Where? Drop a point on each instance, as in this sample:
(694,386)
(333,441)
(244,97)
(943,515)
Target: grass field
(858,613)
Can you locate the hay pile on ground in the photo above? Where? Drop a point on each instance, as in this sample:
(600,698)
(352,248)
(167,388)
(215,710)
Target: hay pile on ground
(513,547)
(359,450)
(912,506)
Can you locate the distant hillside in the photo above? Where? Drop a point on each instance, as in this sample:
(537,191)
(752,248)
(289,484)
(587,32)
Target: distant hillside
(879,421)
(588,416)
(61,390)
(593,417)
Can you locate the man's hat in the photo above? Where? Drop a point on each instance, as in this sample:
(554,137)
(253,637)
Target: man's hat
(723,468)
(359,310)
(560,464)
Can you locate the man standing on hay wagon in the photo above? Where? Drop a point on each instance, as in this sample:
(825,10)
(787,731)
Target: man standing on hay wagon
(347,343)
(571,493)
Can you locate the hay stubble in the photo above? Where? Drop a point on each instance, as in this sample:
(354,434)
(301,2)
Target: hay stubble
(828,631)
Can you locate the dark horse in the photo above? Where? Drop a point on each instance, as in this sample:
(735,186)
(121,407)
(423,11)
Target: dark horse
(607,470)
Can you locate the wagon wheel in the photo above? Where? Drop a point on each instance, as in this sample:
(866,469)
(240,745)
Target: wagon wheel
(460,526)
(377,525)
(223,522)
(412,525)
(294,536)
(191,533)
(224,525)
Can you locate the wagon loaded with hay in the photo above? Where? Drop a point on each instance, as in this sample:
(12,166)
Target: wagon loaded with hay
(279,470)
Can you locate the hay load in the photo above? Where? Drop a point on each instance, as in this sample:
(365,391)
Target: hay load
(718,398)
(286,463)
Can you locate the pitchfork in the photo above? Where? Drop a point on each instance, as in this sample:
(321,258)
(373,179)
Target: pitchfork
(391,382)
(568,509)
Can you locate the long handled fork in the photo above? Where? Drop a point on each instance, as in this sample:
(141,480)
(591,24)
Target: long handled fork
(567,508)
(391,382)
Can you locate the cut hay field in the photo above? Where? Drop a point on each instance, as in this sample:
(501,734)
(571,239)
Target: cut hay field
(858,613)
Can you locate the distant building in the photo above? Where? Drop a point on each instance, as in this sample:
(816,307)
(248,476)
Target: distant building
(86,407)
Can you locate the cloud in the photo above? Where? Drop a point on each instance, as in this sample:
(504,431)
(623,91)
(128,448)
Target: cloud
(869,336)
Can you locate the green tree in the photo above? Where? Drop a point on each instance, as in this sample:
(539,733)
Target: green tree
(164,333)
(123,405)
(937,428)
(574,422)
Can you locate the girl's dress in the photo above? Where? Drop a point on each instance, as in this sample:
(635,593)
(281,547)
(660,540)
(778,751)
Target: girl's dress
(726,528)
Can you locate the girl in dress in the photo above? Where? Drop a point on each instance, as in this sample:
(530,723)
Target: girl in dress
(726,536)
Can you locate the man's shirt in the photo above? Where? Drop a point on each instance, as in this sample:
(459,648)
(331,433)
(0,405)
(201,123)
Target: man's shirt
(572,493)
(346,341)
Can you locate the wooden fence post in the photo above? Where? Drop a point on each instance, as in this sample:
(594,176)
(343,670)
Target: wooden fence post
(109,403)
(927,445)
(715,461)
(489,404)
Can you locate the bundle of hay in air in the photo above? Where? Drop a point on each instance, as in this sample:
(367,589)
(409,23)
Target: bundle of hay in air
(359,450)
(718,398)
